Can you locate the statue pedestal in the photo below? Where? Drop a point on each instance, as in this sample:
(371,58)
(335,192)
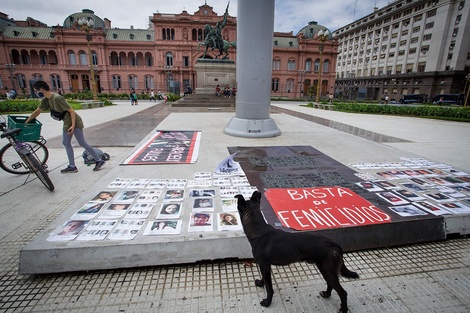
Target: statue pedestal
(210,73)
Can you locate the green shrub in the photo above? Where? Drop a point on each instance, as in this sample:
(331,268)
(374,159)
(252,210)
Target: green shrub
(430,111)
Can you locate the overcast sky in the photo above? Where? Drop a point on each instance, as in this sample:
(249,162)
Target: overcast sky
(290,15)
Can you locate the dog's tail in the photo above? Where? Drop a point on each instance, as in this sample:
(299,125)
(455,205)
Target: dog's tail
(347,273)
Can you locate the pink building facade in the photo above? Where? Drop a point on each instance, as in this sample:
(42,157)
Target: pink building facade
(160,58)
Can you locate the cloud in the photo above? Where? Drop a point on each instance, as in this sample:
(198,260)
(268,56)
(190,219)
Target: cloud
(290,15)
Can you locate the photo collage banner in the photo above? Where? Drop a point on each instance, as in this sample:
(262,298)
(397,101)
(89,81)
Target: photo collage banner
(167,147)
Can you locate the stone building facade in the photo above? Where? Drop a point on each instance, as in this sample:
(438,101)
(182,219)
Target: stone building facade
(160,58)
(407,47)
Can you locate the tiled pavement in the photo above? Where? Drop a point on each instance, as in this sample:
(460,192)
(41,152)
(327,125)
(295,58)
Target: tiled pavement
(429,277)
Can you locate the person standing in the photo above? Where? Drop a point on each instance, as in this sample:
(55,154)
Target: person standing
(72,125)
(152,96)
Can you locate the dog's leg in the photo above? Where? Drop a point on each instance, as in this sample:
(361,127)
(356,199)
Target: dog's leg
(267,281)
(329,269)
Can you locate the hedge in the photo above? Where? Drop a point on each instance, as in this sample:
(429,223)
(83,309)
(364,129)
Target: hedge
(29,105)
(430,111)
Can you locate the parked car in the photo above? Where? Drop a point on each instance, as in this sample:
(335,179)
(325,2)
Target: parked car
(449,98)
(405,99)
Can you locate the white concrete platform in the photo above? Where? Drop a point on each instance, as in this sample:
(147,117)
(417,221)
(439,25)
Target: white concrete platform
(439,141)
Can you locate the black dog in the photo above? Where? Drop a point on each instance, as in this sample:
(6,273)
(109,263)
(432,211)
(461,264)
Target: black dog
(272,246)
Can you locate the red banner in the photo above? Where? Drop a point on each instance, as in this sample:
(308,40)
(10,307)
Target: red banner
(323,208)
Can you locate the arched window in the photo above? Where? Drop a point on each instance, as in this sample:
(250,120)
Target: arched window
(291,65)
(37,76)
(326,66)
(55,82)
(275,84)
(72,58)
(290,85)
(83,59)
(116,81)
(132,80)
(94,57)
(169,59)
(308,65)
(149,83)
(276,64)
(316,66)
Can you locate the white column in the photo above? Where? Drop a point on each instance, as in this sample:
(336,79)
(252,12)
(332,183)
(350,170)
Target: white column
(255,28)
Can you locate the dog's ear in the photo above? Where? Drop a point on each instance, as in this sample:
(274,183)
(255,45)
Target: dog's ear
(256,196)
(241,201)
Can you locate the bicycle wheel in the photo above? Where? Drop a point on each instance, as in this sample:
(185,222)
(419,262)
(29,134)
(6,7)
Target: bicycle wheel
(38,169)
(11,162)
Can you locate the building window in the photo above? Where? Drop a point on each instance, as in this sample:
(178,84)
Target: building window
(83,59)
(409,68)
(149,82)
(169,59)
(412,51)
(132,59)
(429,25)
(55,82)
(42,58)
(132,81)
(168,34)
(185,61)
(421,67)
(72,59)
(418,17)
(308,65)
(326,66)
(276,65)
(291,65)
(416,29)
(431,13)
(455,32)
(290,85)
(427,37)
(21,79)
(275,84)
(148,59)
(414,40)
(94,58)
(116,81)
(316,66)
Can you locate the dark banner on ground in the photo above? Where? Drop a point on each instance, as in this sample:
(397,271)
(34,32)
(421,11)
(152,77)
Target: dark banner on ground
(167,147)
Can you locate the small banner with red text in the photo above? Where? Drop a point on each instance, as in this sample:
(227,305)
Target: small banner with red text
(168,147)
(323,208)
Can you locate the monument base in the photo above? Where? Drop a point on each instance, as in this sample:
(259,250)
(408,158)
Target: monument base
(212,72)
(259,128)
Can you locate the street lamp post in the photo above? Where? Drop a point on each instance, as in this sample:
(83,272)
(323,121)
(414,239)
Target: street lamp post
(321,37)
(11,68)
(87,25)
(301,82)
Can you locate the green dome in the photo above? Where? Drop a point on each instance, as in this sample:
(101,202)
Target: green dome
(312,29)
(71,20)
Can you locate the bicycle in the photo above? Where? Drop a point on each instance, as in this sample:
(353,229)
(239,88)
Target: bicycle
(24,157)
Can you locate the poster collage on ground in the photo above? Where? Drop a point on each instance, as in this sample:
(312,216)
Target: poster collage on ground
(417,187)
(414,187)
(121,211)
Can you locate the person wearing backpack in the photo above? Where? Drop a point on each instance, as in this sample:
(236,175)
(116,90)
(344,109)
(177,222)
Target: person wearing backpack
(72,124)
